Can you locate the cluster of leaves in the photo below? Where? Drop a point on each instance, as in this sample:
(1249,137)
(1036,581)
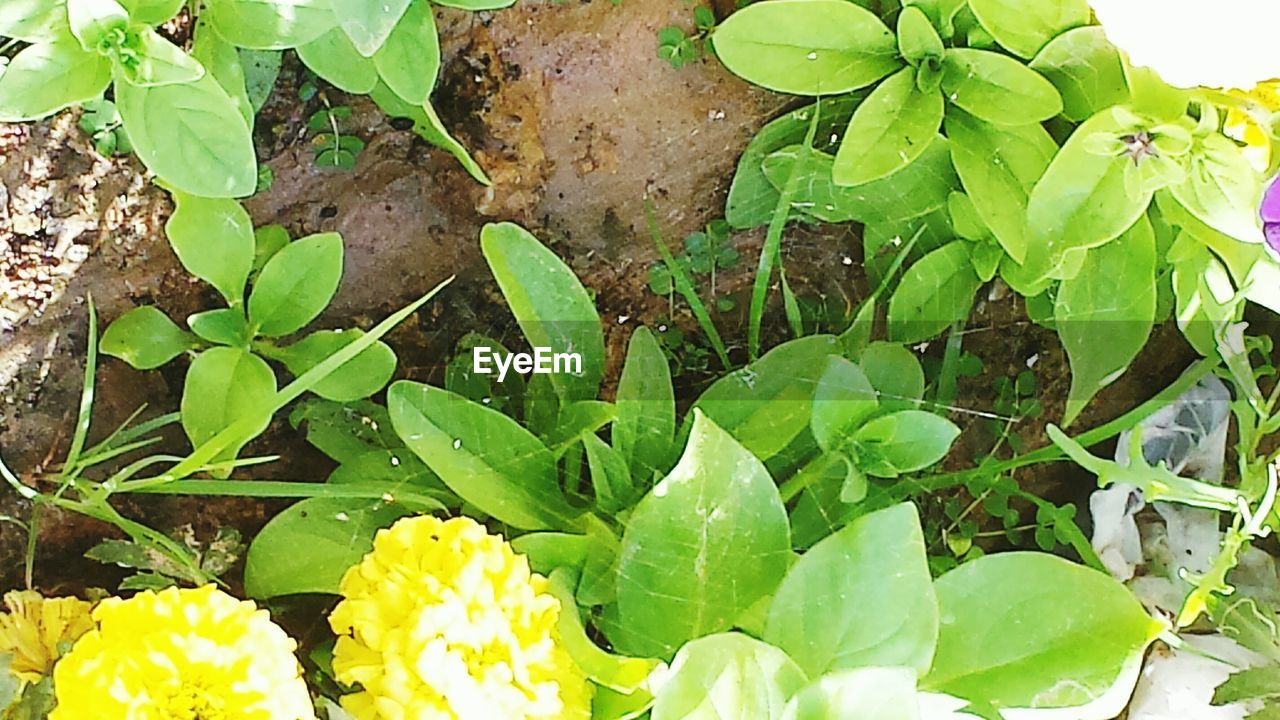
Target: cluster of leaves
(156,570)
(674,537)
(189,115)
(705,252)
(680,48)
(1016,142)
(273,288)
(333,148)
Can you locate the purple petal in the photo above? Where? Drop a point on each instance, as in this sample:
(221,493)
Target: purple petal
(1273,239)
(1271,202)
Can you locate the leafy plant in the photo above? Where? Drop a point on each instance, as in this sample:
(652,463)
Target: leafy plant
(102,122)
(705,252)
(273,287)
(679,48)
(332,147)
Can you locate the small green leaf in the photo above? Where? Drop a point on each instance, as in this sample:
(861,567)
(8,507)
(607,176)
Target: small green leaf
(729,676)
(1087,70)
(703,546)
(309,546)
(224,326)
(47,77)
(998,88)
(1222,189)
(145,338)
(807,47)
(409,60)
(224,386)
(336,60)
(92,21)
(360,377)
(861,597)
(918,41)
(1025,26)
(213,239)
(895,373)
(889,130)
(934,293)
(160,62)
(843,399)
(296,285)
(644,430)
(904,442)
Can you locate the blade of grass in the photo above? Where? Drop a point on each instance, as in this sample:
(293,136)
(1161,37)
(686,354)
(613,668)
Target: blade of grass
(85,413)
(684,285)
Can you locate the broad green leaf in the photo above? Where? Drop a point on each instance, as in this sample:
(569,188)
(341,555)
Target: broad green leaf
(895,373)
(1105,314)
(267,241)
(869,693)
(427,124)
(1027,629)
(807,47)
(703,546)
(918,41)
(360,377)
(1080,202)
(92,21)
(152,12)
(904,442)
(934,293)
(409,60)
(645,426)
(752,197)
(145,338)
(1153,96)
(191,136)
(767,404)
(221,60)
(1025,26)
(998,88)
(224,386)
(1222,189)
(843,399)
(889,130)
(861,597)
(296,285)
(310,545)
(610,477)
(345,432)
(366,23)
(1203,295)
(34,21)
(271,24)
(482,455)
(47,77)
(261,70)
(729,676)
(334,58)
(549,302)
(999,167)
(224,326)
(213,239)
(160,62)
(1087,70)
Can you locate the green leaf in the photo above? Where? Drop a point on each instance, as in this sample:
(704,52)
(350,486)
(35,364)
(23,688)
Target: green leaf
(767,404)
(482,455)
(47,77)
(345,432)
(224,326)
(999,168)
(427,124)
(889,130)
(409,60)
(861,597)
(1222,189)
(610,477)
(871,693)
(997,88)
(335,59)
(729,676)
(1248,684)
(549,302)
(33,21)
(296,285)
(191,135)
(1025,26)
(221,60)
(261,70)
(271,24)
(843,399)
(1105,314)
(918,41)
(368,24)
(1204,296)
(644,429)
(152,12)
(213,239)
(1027,629)
(224,386)
(703,546)
(807,47)
(93,20)
(160,62)
(904,442)
(1087,70)
(310,545)
(895,373)
(1080,202)
(934,293)
(145,338)
(360,377)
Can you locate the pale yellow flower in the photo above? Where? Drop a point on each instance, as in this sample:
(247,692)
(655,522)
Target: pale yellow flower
(1245,126)
(181,655)
(444,621)
(36,630)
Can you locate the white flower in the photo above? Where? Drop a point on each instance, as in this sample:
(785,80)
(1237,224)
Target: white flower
(1214,43)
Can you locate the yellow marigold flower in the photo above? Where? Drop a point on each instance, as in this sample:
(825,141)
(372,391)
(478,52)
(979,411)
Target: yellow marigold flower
(36,630)
(444,621)
(181,655)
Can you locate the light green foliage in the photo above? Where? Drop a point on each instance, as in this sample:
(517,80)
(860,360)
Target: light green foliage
(728,677)
(1086,69)
(1023,27)
(934,293)
(889,130)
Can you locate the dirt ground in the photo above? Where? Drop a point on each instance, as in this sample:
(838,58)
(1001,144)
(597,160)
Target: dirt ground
(576,120)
